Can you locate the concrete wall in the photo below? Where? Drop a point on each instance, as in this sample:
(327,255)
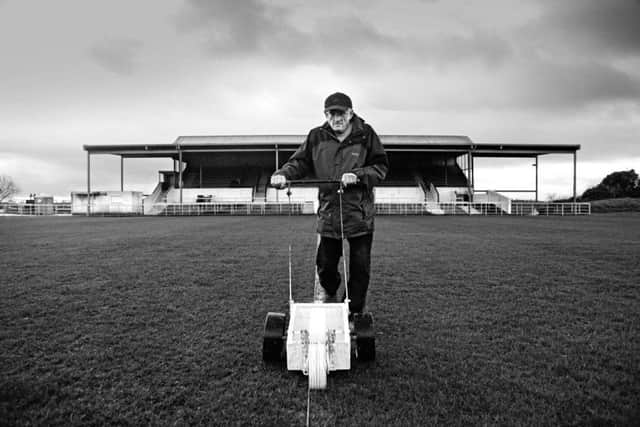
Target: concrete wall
(493,197)
(108,203)
(399,194)
(218,195)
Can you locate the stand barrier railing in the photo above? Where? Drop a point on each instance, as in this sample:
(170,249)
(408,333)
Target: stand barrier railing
(431,208)
(550,208)
(31,209)
(233,209)
(452,208)
(306,208)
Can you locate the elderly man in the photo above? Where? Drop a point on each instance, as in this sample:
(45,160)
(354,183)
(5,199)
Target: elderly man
(345,149)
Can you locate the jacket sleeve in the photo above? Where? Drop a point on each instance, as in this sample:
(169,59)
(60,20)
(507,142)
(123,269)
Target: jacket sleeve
(300,163)
(376,164)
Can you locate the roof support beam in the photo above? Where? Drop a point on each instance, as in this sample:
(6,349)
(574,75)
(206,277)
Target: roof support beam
(180,173)
(121,174)
(469,179)
(536,165)
(574,176)
(277,166)
(473,172)
(88,183)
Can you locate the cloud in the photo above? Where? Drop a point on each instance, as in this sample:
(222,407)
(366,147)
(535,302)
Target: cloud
(234,27)
(116,55)
(590,27)
(524,85)
(452,49)
(346,41)
(251,29)
(544,84)
(548,63)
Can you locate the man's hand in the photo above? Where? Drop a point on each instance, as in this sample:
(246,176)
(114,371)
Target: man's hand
(278,181)
(349,178)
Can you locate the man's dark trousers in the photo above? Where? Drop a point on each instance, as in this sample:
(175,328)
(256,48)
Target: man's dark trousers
(327,259)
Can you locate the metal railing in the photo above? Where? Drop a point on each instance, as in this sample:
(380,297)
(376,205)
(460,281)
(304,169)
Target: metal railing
(433,208)
(305,208)
(550,208)
(233,209)
(487,209)
(402,209)
(430,208)
(31,209)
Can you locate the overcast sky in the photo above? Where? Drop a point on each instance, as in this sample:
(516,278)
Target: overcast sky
(77,72)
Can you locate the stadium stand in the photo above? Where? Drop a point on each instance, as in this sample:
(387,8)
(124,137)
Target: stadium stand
(229,174)
(405,191)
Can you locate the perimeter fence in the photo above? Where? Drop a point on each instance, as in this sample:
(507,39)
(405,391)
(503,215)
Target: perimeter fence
(232,209)
(487,209)
(550,208)
(307,208)
(453,208)
(32,209)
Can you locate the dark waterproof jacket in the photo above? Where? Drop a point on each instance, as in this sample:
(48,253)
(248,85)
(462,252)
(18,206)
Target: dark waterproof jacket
(322,156)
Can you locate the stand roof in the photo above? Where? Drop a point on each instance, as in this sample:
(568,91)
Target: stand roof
(453,144)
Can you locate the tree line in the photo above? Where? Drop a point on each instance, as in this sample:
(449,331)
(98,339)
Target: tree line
(614,186)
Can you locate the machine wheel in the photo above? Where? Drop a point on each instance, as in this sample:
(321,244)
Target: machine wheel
(365,337)
(274,337)
(317,368)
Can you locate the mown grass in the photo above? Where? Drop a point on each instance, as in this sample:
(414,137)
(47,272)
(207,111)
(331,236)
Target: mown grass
(498,321)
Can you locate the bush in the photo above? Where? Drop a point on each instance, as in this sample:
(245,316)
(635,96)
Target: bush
(614,185)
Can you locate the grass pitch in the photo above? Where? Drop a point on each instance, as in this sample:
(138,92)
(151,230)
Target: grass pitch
(480,320)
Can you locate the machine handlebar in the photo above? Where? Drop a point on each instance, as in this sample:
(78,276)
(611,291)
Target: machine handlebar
(312,181)
(297,182)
